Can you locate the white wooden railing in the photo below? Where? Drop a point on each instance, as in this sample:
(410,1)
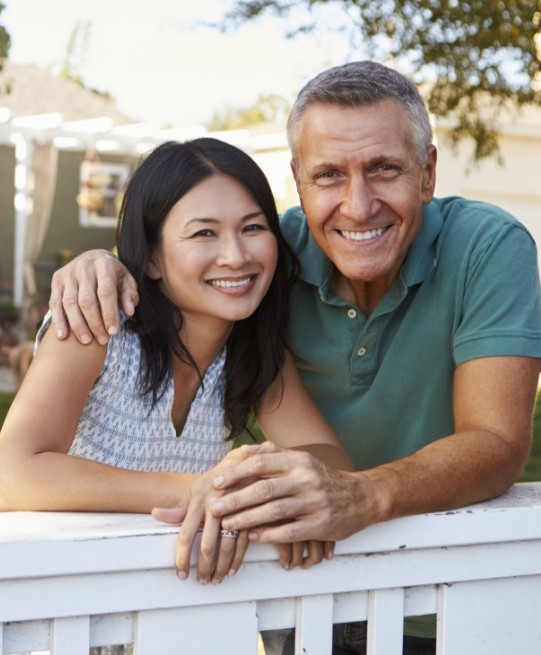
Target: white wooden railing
(72,581)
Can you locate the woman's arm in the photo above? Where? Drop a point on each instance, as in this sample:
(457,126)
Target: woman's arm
(290,419)
(35,471)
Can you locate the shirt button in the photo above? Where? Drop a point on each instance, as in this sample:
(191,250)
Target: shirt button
(352,313)
(361,351)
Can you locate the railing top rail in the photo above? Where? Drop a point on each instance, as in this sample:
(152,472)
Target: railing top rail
(74,540)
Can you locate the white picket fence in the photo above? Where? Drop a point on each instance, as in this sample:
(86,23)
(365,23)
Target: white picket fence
(72,581)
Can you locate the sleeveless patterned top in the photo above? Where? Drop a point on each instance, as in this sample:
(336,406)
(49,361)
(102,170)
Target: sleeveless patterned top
(119,428)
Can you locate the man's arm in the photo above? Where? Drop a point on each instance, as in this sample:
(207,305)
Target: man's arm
(85,295)
(493,404)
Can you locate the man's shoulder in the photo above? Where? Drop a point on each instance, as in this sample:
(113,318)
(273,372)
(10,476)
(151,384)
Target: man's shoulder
(469,224)
(314,264)
(294,228)
(459,211)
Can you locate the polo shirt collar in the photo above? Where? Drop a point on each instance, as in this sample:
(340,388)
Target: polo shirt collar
(422,255)
(316,267)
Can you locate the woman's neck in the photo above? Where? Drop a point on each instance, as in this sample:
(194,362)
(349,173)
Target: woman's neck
(204,340)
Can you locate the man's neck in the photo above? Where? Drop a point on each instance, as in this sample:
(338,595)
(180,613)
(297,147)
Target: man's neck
(365,295)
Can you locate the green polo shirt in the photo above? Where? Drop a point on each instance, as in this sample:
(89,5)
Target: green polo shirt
(469,288)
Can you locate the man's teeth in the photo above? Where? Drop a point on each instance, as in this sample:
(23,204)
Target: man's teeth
(363,236)
(230,283)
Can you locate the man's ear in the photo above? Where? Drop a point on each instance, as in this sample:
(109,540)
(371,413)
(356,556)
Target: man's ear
(153,270)
(296,177)
(429,176)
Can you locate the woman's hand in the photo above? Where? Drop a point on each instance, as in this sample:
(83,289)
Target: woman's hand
(219,554)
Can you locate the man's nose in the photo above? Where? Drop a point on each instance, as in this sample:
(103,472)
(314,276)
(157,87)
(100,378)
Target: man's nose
(358,201)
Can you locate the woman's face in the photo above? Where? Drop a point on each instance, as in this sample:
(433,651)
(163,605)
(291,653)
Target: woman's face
(217,255)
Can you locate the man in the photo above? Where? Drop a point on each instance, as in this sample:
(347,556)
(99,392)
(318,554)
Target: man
(416,323)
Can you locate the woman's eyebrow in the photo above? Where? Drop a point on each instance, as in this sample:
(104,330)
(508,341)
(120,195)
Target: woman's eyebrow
(205,219)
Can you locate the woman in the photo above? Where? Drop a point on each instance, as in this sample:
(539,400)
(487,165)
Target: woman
(148,420)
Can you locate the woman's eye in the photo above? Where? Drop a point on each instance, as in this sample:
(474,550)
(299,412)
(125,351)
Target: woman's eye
(203,233)
(255,227)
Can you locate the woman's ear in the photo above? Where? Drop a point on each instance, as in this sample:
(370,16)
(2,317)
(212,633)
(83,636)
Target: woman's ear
(153,269)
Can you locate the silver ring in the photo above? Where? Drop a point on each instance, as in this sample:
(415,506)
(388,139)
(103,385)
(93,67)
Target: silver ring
(229,534)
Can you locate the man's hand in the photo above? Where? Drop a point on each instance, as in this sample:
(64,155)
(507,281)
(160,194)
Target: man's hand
(85,295)
(296,498)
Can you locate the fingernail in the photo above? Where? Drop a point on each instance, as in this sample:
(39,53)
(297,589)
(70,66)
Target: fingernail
(202,580)
(85,338)
(252,536)
(112,330)
(215,581)
(182,575)
(218,508)
(102,340)
(60,333)
(329,555)
(218,480)
(231,573)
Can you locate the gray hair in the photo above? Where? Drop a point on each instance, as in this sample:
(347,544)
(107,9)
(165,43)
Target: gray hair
(363,83)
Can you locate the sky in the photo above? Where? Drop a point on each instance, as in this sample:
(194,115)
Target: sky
(159,61)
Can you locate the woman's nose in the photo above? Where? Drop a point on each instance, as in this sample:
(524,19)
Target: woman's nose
(233,252)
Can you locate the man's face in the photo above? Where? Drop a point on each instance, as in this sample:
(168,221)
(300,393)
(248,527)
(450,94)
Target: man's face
(362,190)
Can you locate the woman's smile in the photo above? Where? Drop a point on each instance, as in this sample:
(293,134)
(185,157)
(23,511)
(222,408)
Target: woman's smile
(217,255)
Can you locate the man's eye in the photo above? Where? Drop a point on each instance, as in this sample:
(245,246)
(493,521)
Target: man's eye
(326,176)
(385,169)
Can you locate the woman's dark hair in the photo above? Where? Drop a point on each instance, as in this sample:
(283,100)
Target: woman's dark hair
(255,347)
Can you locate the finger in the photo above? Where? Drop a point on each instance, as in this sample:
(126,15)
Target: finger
(328,549)
(297,554)
(59,322)
(240,551)
(287,532)
(66,313)
(185,541)
(110,277)
(208,549)
(257,461)
(264,502)
(314,554)
(227,554)
(284,554)
(129,298)
(172,515)
(85,317)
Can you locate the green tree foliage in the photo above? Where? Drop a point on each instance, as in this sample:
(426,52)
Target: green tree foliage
(5,40)
(76,54)
(477,57)
(266,109)
(76,51)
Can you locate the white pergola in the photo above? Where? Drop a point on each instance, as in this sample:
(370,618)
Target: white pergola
(100,134)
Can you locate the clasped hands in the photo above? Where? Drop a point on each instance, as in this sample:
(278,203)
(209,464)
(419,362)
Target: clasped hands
(266,493)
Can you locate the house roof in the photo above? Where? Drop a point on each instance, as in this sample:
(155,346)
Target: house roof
(34,90)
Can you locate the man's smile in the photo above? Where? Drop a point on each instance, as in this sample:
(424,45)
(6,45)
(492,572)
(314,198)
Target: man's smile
(363,236)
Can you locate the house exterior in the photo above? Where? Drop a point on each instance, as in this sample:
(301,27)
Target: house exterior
(36,103)
(90,148)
